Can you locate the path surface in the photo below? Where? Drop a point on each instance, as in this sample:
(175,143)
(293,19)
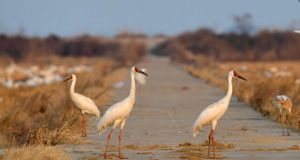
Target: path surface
(164,112)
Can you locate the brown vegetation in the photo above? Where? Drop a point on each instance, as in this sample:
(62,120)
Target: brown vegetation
(45,114)
(264,46)
(188,150)
(22,48)
(34,153)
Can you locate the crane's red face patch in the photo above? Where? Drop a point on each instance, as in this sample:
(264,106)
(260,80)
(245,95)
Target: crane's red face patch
(136,69)
(234,73)
(71,77)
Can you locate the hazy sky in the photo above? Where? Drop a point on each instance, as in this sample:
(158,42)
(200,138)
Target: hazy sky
(108,17)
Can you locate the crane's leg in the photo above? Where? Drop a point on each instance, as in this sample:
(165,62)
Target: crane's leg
(282,124)
(209,137)
(108,142)
(120,155)
(83,127)
(121,129)
(213,143)
(287,129)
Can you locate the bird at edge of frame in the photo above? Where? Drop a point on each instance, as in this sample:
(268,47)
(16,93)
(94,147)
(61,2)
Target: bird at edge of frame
(84,104)
(297,31)
(284,105)
(212,113)
(118,113)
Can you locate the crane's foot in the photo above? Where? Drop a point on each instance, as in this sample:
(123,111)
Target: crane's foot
(83,135)
(286,135)
(105,156)
(121,157)
(214,157)
(218,158)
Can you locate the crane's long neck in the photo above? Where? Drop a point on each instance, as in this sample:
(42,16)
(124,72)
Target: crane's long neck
(72,88)
(229,92)
(131,95)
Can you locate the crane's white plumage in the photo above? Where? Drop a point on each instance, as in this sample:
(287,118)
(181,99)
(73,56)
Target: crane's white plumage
(118,113)
(84,104)
(212,113)
(297,31)
(282,102)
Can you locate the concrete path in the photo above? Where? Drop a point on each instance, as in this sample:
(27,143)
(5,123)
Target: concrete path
(165,110)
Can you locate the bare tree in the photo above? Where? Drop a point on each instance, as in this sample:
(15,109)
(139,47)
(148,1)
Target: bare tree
(244,23)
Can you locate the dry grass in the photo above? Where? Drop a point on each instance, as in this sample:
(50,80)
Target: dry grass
(45,114)
(38,117)
(189,150)
(35,153)
(260,89)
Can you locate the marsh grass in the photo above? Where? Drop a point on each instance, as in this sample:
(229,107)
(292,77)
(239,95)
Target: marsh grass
(34,153)
(45,115)
(34,119)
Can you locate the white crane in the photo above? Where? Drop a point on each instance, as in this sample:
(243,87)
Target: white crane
(118,113)
(212,113)
(83,103)
(284,104)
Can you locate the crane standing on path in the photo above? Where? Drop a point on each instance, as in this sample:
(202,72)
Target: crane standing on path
(118,113)
(212,113)
(83,103)
(284,104)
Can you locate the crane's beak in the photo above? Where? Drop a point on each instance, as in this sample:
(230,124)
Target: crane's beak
(241,77)
(139,71)
(67,79)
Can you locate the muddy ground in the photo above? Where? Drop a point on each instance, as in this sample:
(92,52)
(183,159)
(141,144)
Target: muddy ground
(159,126)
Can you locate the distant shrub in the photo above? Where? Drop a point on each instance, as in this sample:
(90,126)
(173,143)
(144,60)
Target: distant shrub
(20,48)
(264,46)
